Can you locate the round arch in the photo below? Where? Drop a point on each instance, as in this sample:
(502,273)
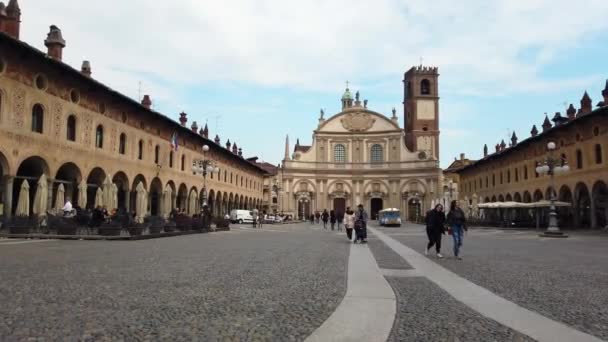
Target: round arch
(527,197)
(230,201)
(538,195)
(509,198)
(182,197)
(155,195)
(95,180)
(138,179)
(582,205)
(70,176)
(501,198)
(517,197)
(211,201)
(30,169)
(310,186)
(600,204)
(565,214)
(122,184)
(4,170)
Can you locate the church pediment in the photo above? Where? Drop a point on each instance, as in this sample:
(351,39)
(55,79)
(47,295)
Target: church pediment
(358,120)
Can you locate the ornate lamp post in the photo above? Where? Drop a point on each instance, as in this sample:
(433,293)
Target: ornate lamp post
(551,166)
(203,167)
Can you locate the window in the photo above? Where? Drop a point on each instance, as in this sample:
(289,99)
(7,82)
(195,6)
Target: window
(579,159)
(41,82)
(74,96)
(225,176)
(156,154)
(501,177)
(122,143)
(171,159)
(37,118)
(508,176)
(140,150)
(231,180)
(516,175)
(377,154)
(425,87)
(71,128)
(1,97)
(99,137)
(525,172)
(487,182)
(274,200)
(241,180)
(493,180)
(183,162)
(339,153)
(598,154)
(596,131)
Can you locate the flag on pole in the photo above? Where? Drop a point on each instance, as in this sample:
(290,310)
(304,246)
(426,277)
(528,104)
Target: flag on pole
(174,141)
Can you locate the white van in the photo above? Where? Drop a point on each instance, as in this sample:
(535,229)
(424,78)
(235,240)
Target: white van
(240,216)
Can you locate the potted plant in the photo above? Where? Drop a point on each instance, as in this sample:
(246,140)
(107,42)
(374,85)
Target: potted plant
(63,225)
(112,228)
(155,224)
(183,223)
(20,225)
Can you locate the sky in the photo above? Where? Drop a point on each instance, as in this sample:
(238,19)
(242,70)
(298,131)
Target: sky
(258,70)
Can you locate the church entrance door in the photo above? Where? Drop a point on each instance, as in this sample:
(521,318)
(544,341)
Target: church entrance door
(339,205)
(413,210)
(376,206)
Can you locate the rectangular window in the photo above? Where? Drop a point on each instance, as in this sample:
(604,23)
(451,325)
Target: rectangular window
(579,159)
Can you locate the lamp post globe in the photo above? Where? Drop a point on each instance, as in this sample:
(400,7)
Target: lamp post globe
(205,148)
(551,146)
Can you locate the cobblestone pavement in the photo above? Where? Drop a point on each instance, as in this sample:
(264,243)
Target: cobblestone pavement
(230,286)
(385,256)
(427,313)
(563,279)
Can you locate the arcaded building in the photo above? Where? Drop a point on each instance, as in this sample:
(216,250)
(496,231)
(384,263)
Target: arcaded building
(61,122)
(509,173)
(360,156)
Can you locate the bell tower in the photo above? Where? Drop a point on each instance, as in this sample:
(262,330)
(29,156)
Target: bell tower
(421,110)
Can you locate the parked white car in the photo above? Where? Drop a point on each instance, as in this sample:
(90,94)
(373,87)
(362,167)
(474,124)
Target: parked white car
(241,216)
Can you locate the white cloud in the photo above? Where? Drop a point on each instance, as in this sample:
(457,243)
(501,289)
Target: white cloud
(314,44)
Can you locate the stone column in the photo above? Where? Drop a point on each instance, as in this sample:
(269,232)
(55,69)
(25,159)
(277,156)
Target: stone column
(592,209)
(8,196)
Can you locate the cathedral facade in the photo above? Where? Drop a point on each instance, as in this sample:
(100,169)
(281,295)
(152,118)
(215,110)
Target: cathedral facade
(360,156)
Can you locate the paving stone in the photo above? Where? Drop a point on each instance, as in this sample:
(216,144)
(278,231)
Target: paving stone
(425,312)
(385,256)
(262,286)
(563,279)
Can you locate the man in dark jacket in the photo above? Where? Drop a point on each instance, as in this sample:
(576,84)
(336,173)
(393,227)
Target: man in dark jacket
(435,220)
(457,221)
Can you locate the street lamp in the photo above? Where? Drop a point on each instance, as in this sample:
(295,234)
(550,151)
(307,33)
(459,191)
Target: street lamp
(203,167)
(552,166)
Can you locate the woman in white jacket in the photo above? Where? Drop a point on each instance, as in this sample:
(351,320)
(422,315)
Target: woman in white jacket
(349,222)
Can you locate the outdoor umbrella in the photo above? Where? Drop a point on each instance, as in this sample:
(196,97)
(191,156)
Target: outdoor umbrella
(140,205)
(23,205)
(114,196)
(59,200)
(82,194)
(192,203)
(41,197)
(167,201)
(99,198)
(107,193)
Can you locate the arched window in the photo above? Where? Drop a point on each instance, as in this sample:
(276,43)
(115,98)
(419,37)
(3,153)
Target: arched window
(140,150)
(156,154)
(425,87)
(516,175)
(525,172)
(183,162)
(171,159)
(231,179)
(508,176)
(377,155)
(340,154)
(99,137)
(71,128)
(241,180)
(579,159)
(225,176)
(598,154)
(122,143)
(37,118)
(493,180)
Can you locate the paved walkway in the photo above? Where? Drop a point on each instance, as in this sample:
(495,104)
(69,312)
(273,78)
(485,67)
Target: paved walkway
(368,309)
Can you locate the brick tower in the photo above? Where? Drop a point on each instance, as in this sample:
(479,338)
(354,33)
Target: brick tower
(421,111)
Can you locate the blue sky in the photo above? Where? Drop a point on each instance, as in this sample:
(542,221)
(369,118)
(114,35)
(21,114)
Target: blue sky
(259,70)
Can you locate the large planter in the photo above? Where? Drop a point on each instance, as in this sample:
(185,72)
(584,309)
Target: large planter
(222,224)
(19,230)
(155,230)
(183,223)
(135,231)
(109,231)
(67,230)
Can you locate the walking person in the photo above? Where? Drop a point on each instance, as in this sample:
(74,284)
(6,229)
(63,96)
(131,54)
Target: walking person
(312,218)
(317,217)
(349,222)
(361,218)
(435,221)
(254,216)
(325,218)
(340,219)
(332,219)
(457,222)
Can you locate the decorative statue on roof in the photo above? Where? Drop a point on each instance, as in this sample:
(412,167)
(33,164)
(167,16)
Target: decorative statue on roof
(357,96)
(394,112)
(322,114)
(365,103)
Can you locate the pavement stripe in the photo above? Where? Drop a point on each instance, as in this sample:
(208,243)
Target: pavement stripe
(485,302)
(368,309)
(22,242)
(389,272)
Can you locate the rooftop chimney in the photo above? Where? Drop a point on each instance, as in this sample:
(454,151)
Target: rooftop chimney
(586,106)
(55,43)
(194,127)
(485,150)
(571,112)
(85,69)
(462,156)
(546,124)
(534,131)
(240,152)
(217,139)
(183,118)
(513,139)
(228,144)
(146,101)
(10,19)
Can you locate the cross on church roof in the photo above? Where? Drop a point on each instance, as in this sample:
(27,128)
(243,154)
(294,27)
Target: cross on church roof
(347,84)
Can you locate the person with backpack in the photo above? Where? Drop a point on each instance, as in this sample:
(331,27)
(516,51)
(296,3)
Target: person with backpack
(457,222)
(339,219)
(361,218)
(435,220)
(332,219)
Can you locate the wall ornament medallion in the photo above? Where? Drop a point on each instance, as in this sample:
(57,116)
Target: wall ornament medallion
(357,122)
